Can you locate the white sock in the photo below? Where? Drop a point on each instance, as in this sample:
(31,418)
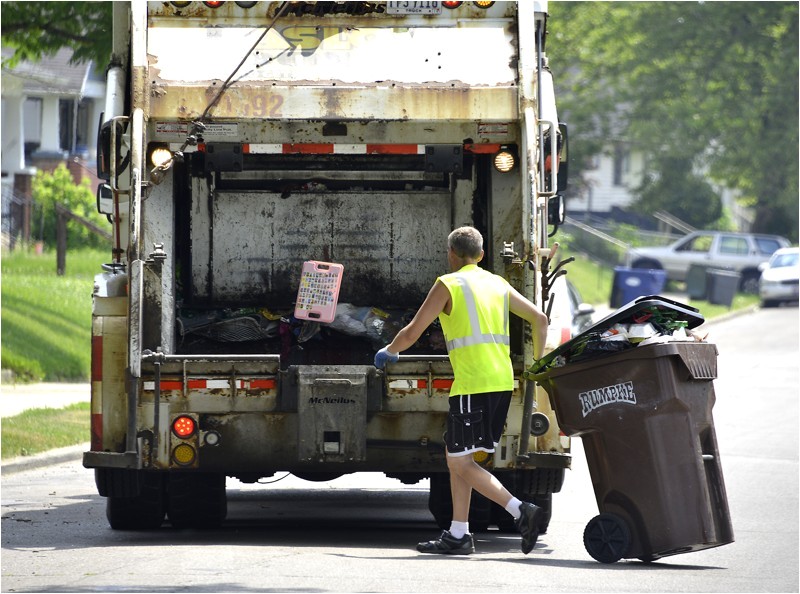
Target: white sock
(513,507)
(459,529)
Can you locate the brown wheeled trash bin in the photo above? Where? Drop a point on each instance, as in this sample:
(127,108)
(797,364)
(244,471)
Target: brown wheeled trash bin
(644,415)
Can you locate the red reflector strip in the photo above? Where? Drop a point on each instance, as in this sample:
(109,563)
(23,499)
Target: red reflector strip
(339,149)
(97,433)
(438,384)
(308,149)
(420,384)
(395,149)
(97,358)
(203,384)
(482,148)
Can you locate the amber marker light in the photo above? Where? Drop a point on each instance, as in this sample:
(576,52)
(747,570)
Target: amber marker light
(184,454)
(504,161)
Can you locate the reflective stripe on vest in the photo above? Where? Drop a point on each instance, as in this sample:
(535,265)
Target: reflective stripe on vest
(477,337)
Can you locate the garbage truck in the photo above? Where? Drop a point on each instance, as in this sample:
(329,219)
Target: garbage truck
(240,141)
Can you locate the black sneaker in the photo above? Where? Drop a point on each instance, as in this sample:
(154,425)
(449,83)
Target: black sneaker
(528,525)
(447,544)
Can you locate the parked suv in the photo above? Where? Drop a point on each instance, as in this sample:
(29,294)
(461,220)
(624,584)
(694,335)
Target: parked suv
(741,252)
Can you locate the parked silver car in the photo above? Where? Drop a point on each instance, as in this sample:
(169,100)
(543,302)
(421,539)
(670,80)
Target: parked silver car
(740,252)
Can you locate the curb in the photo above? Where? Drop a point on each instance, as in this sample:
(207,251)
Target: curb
(732,314)
(57,456)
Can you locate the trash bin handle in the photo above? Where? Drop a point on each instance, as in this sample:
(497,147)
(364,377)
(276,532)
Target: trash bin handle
(536,377)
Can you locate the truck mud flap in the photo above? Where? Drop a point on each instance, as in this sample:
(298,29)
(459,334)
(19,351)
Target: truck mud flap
(332,413)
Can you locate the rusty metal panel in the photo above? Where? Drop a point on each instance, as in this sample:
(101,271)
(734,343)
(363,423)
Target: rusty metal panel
(392,245)
(332,413)
(463,53)
(426,103)
(109,396)
(456,69)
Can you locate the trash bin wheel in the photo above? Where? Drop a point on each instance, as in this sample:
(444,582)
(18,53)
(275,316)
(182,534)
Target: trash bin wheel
(607,538)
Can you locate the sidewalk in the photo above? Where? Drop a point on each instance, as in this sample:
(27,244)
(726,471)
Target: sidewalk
(15,398)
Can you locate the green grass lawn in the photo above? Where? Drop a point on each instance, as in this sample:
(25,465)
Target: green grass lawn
(46,319)
(42,429)
(594,283)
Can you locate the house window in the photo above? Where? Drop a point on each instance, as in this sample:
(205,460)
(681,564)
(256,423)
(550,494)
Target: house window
(66,124)
(82,140)
(32,124)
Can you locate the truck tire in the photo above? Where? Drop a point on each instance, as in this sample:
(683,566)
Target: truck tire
(506,523)
(440,504)
(537,486)
(144,511)
(118,482)
(532,482)
(196,500)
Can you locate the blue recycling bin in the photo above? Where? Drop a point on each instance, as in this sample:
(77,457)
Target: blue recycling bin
(630,283)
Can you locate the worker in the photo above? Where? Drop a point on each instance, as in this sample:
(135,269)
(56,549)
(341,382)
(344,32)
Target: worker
(473,307)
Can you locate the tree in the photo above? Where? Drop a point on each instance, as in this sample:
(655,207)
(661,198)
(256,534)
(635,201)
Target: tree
(36,29)
(58,187)
(714,84)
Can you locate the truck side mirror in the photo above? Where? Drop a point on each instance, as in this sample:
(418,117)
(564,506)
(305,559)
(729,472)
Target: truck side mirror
(561,181)
(556,211)
(103,149)
(105,199)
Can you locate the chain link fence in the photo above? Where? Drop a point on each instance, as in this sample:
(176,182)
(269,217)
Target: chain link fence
(607,242)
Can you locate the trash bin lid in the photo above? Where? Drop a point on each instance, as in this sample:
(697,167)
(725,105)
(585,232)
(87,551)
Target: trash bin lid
(629,314)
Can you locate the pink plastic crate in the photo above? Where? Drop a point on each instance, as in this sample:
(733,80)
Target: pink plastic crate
(319,291)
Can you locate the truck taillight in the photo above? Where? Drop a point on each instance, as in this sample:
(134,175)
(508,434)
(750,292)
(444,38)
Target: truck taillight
(483,4)
(452,4)
(184,426)
(213,4)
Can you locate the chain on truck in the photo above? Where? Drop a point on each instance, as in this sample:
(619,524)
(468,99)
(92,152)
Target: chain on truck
(241,139)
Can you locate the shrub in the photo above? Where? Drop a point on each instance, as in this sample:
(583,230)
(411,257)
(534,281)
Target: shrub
(58,187)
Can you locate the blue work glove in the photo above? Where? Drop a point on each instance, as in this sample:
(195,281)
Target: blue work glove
(384,356)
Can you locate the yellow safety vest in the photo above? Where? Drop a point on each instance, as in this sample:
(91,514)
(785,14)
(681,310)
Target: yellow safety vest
(476,331)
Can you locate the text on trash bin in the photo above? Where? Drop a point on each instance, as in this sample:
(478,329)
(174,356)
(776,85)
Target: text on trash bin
(594,399)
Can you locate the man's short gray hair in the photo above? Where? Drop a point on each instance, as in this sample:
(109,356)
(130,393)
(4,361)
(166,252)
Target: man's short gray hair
(466,242)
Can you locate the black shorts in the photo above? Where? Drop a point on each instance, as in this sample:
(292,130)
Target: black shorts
(475,422)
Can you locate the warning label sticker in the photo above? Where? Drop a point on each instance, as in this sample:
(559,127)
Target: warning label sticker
(212,132)
(494,129)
